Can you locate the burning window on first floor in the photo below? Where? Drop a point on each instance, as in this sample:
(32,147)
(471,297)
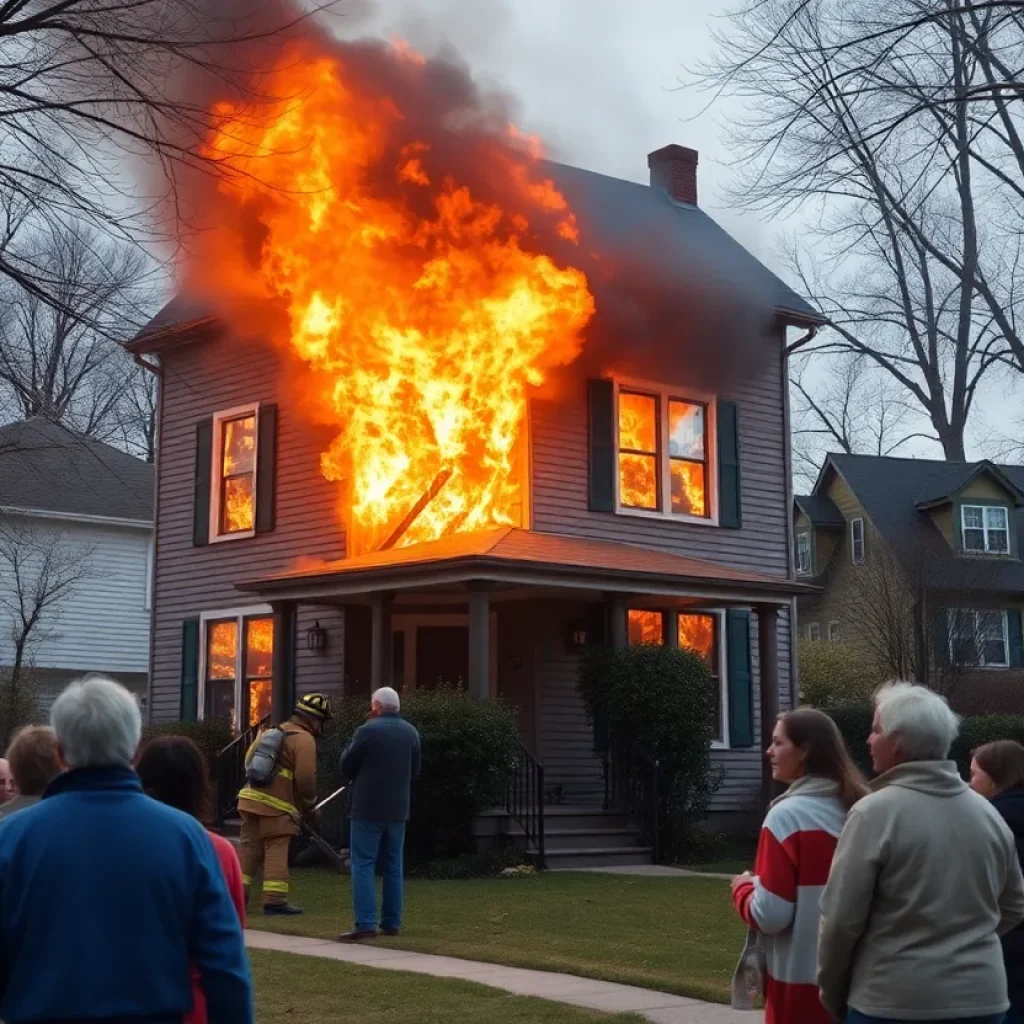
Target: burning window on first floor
(238,661)
(701,632)
(233,504)
(646,627)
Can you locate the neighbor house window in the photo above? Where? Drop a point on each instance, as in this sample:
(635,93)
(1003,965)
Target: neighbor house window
(857,541)
(803,553)
(978,638)
(814,631)
(986,528)
(233,504)
(238,659)
(701,632)
(833,632)
(645,627)
(663,454)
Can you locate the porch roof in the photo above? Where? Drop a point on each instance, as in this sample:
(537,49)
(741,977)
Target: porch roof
(517,557)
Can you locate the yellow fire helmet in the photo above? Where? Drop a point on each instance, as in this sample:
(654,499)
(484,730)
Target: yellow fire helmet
(316,705)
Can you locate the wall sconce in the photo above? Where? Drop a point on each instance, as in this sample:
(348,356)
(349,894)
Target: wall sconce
(578,638)
(316,637)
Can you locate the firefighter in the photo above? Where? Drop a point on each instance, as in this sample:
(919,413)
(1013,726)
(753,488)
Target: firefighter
(277,796)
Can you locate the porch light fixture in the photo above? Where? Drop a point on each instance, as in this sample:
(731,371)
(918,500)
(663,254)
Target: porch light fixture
(316,637)
(579,637)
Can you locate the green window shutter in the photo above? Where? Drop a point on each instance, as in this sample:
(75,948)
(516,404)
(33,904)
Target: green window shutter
(741,678)
(266,469)
(729,511)
(601,432)
(1013,629)
(201,493)
(189,710)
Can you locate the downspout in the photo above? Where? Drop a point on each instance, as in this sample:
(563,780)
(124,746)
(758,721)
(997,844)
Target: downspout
(811,334)
(157,370)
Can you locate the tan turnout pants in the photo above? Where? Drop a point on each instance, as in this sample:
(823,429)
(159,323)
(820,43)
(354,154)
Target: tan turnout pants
(264,844)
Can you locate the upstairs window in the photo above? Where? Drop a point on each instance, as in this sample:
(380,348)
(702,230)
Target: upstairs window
(663,454)
(986,529)
(233,509)
(857,541)
(803,554)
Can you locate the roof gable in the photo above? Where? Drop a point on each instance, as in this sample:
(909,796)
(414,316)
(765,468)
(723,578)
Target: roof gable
(820,510)
(939,491)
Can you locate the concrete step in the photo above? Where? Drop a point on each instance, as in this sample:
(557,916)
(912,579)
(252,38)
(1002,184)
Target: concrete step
(588,838)
(598,858)
(583,818)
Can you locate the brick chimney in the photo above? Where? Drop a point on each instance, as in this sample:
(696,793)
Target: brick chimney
(674,170)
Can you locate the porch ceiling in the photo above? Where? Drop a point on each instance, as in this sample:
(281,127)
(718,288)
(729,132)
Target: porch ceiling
(511,557)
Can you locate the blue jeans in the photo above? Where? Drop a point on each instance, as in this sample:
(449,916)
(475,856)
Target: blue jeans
(855,1017)
(370,840)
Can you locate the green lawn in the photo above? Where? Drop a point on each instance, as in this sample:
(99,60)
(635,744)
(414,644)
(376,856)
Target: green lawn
(674,934)
(305,990)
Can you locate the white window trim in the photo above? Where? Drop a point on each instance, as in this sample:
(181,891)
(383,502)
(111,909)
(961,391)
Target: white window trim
(216,458)
(977,613)
(664,394)
(238,614)
(832,639)
(723,677)
(853,541)
(804,535)
(984,529)
(813,630)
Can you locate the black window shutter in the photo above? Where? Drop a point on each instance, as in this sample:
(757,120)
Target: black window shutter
(189,711)
(729,513)
(944,630)
(601,419)
(266,469)
(1015,637)
(741,678)
(201,493)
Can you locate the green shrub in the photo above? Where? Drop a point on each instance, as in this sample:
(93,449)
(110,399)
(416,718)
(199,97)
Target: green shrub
(832,673)
(211,735)
(854,721)
(469,750)
(666,700)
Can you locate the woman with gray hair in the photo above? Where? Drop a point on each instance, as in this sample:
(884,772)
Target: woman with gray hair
(924,881)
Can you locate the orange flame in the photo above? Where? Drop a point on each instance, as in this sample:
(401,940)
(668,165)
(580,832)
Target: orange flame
(697,632)
(420,305)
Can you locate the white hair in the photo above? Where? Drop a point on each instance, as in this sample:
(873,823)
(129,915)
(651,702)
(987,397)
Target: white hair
(921,720)
(387,698)
(97,722)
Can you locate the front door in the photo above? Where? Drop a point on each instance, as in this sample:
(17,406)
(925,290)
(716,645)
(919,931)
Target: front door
(442,656)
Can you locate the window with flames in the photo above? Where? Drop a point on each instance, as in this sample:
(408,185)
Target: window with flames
(235,510)
(239,658)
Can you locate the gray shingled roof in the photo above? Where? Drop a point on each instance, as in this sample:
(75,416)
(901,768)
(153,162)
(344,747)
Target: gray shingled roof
(46,466)
(889,490)
(820,509)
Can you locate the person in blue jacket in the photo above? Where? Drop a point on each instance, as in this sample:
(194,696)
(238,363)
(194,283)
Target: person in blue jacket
(107,896)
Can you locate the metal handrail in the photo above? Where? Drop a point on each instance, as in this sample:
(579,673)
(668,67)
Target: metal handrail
(228,771)
(631,784)
(524,800)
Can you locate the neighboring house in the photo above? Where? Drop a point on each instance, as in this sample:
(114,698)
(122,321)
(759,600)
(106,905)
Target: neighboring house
(249,610)
(920,564)
(76,528)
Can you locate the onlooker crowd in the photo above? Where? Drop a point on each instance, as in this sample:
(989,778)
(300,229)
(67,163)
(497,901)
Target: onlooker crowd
(33,760)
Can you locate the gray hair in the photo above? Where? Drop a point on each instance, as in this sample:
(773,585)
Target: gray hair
(920,718)
(97,722)
(387,698)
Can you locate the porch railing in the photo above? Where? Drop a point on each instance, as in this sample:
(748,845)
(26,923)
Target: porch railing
(524,800)
(631,786)
(228,771)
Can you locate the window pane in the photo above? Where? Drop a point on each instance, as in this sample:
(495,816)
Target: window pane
(237,507)
(259,646)
(239,446)
(995,518)
(220,701)
(688,491)
(638,422)
(260,697)
(697,632)
(973,516)
(990,624)
(686,430)
(638,481)
(222,650)
(974,540)
(997,540)
(646,627)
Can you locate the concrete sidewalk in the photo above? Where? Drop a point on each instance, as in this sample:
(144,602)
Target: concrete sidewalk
(659,1007)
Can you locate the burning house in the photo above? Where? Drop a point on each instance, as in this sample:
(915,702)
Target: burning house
(434,408)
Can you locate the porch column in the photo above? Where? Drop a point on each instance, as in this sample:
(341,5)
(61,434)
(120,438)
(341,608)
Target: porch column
(479,641)
(283,661)
(380,641)
(672,629)
(618,614)
(768,663)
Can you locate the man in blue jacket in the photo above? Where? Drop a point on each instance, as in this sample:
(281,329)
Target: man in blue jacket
(106,896)
(381,761)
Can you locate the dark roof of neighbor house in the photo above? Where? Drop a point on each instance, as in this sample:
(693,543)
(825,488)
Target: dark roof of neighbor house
(891,489)
(942,486)
(47,467)
(820,509)
(689,244)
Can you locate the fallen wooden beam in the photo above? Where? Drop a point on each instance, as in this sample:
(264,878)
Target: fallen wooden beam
(410,517)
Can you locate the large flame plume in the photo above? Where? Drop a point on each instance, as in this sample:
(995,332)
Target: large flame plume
(411,234)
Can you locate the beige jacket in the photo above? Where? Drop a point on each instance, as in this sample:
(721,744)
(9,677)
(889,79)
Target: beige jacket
(924,880)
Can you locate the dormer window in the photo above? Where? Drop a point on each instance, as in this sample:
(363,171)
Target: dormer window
(986,529)
(803,554)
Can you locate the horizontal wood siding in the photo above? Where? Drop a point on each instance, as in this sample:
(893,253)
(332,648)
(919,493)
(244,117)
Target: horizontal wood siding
(199,380)
(102,625)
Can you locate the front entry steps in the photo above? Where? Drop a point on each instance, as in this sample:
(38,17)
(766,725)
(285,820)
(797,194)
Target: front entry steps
(574,836)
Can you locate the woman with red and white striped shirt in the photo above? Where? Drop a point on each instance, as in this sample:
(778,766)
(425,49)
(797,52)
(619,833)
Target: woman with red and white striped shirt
(794,853)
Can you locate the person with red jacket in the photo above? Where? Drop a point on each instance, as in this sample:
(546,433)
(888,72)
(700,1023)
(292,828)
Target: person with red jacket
(794,854)
(173,770)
